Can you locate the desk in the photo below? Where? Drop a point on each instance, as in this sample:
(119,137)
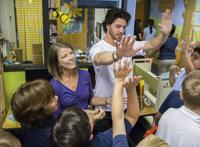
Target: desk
(148,111)
(9,122)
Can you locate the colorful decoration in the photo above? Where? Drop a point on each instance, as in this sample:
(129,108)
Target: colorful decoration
(68,12)
(63,17)
(73,10)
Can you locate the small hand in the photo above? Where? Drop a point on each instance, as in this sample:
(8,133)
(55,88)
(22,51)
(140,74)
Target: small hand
(188,46)
(121,69)
(125,100)
(98,114)
(166,23)
(131,83)
(125,47)
(174,69)
(109,101)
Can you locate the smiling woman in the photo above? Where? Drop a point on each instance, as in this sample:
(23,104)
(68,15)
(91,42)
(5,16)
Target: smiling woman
(72,85)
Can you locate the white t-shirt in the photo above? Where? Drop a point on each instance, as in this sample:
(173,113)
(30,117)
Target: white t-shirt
(104,73)
(149,36)
(180,128)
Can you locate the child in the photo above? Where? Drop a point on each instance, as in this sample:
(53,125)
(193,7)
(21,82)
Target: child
(192,62)
(180,127)
(32,105)
(74,127)
(8,140)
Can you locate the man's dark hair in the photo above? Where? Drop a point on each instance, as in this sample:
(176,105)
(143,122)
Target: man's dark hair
(72,129)
(114,14)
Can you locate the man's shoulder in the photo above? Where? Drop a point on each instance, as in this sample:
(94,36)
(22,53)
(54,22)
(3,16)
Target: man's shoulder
(98,44)
(170,113)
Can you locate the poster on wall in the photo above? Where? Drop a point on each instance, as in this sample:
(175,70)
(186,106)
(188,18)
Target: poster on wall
(74,14)
(72,27)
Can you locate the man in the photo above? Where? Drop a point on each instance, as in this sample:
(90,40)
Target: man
(113,47)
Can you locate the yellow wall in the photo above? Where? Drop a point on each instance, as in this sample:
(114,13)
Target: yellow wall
(29,25)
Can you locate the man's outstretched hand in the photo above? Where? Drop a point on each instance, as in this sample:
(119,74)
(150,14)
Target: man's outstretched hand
(125,47)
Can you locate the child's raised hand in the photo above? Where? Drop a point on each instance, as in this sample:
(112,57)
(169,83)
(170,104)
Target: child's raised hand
(131,83)
(121,69)
(174,69)
(187,46)
(98,114)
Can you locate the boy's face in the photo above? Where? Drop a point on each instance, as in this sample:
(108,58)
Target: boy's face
(117,29)
(52,106)
(196,60)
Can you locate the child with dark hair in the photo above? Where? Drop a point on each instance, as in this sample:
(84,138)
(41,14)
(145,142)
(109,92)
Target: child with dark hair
(32,105)
(8,140)
(180,127)
(74,127)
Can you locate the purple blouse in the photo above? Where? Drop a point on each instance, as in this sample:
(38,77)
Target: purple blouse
(81,97)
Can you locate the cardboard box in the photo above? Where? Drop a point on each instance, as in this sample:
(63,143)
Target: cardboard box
(19,54)
(37,49)
(38,59)
(37,53)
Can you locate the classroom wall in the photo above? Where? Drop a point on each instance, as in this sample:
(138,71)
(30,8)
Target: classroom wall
(186,14)
(78,40)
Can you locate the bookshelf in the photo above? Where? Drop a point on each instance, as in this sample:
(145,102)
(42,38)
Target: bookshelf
(53,31)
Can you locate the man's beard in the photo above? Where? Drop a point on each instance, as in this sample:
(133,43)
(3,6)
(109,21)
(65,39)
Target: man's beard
(115,36)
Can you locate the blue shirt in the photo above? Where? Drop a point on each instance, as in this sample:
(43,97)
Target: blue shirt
(167,50)
(179,80)
(81,97)
(120,141)
(39,134)
(104,139)
(173,100)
